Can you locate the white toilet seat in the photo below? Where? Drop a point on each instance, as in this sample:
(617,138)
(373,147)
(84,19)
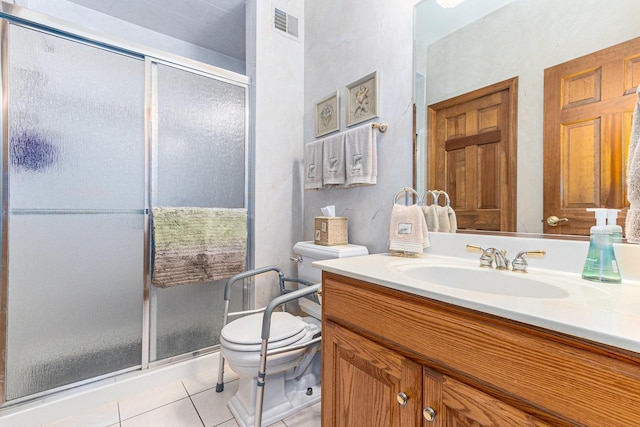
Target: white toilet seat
(244,334)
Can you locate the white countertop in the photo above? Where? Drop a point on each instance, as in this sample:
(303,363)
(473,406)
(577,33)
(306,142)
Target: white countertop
(604,313)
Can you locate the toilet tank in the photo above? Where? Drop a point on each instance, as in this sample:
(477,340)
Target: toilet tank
(308,252)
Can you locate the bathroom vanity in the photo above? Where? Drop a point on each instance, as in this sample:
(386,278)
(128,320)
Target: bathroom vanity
(399,350)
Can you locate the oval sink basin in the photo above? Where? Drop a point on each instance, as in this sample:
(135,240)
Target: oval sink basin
(486,280)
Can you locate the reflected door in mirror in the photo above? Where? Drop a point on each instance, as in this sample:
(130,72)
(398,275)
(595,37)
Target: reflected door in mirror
(472,155)
(588,106)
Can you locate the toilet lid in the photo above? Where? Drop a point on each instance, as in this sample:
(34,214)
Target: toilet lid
(285,328)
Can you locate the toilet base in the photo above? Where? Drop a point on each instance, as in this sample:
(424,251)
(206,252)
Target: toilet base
(281,398)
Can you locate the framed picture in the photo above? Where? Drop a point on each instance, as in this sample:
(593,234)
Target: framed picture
(362,99)
(328,114)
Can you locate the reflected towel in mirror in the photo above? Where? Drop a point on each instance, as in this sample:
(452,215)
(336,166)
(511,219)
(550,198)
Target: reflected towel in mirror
(632,225)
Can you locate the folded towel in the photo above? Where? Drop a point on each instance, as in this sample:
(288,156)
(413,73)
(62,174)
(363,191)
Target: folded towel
(333,170)
(313,165)
(197,244)
(361,156)
(431,217)
(408,230)
(632,225)
(444,226)
(453,220)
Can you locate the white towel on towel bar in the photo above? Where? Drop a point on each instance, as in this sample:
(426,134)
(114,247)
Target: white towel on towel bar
(632,225)
(361,155)
(333,170)
(313,165)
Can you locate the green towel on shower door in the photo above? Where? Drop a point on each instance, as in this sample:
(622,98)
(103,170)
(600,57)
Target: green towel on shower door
(192,245)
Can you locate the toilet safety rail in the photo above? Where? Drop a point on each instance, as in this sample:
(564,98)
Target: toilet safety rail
(286,295)
(264,352)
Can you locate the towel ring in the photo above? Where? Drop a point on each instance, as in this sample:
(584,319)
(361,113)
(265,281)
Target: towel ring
(436,196)
(406,191)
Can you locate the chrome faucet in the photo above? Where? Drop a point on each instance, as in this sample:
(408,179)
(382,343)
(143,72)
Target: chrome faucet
(519,263)
(500,256)
(491,256)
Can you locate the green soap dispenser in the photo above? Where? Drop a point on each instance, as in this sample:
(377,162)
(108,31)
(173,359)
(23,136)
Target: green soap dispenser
(601,264)
(616,230)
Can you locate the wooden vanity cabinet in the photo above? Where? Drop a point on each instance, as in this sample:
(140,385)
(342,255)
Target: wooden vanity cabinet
(390,357)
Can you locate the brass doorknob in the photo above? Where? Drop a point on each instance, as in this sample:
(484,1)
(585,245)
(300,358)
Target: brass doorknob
(553,220)
(429,414)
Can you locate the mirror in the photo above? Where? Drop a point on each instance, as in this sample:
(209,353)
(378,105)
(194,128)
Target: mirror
(481,42)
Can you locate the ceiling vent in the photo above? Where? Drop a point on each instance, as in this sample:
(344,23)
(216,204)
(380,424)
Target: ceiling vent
(285,23)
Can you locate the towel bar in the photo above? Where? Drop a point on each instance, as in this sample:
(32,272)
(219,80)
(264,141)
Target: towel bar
(382,127)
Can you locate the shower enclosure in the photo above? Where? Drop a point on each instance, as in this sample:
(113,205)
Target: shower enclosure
(94,134)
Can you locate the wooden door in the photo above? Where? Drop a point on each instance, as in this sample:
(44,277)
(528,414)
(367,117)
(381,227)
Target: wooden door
(472,155)
(588,107)
(456,404)
(361,381)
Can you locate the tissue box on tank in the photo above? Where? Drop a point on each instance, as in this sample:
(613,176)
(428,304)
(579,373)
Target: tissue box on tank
(330,231)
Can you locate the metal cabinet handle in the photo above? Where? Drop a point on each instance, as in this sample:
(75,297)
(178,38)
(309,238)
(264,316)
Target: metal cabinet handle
(429,414)
(553,220)
(402,398)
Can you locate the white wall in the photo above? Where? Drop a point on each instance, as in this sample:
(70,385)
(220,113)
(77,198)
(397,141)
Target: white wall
(346,40)
(275,64)
(547,33)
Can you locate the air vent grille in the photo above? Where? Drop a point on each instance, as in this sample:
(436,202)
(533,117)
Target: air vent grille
(286,23)
(280,20)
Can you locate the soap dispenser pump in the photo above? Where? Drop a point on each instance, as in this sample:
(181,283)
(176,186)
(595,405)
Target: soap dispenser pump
(616,230)
(601,264)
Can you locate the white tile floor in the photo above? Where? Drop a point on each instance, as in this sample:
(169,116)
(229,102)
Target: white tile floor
(191,402)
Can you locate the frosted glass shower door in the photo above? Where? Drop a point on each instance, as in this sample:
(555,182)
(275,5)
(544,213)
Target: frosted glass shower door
(76,220)
(199,150)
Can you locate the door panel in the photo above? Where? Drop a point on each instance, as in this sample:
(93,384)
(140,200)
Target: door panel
(361,381)
(588,106)
(459,405)
(472,151)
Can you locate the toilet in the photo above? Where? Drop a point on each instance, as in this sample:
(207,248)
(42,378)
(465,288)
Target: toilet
(293,379)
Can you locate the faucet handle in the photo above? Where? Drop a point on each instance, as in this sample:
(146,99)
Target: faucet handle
(486,259)
(520,262)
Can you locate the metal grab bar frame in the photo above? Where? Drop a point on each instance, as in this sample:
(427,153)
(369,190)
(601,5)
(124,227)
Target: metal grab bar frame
(282,280)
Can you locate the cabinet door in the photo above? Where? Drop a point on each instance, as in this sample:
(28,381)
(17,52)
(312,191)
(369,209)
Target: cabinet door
(458,405)
(364,383)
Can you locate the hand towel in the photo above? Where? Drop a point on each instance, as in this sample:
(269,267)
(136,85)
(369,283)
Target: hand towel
(431,217)
(361,156)
(453,220)
(632,225)
(444,226)
(313,165)
(333,160)
(408,230)
(193,245)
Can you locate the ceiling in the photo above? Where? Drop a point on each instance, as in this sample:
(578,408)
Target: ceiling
(217,25)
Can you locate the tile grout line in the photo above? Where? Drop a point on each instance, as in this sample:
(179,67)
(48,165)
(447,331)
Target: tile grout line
(193,403)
